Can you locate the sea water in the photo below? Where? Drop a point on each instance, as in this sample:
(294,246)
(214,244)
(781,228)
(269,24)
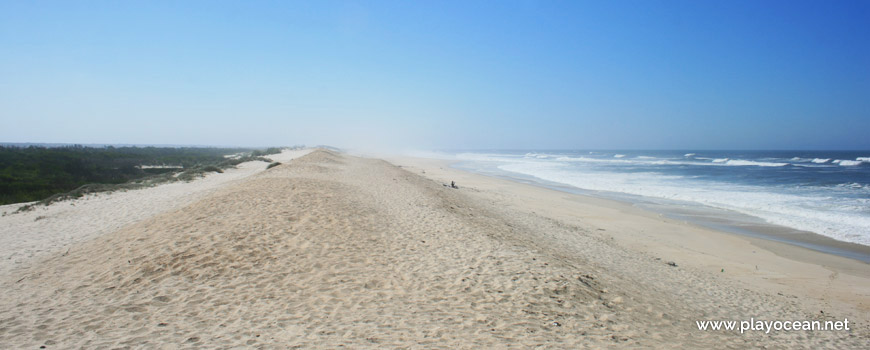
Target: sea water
(824,192)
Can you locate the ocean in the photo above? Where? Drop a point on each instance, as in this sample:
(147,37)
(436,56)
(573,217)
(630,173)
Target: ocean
(824,192)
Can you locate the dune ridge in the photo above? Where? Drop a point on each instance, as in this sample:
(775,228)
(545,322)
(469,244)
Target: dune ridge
(44,230)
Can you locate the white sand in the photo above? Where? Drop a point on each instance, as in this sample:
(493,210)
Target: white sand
(332,251)
(25,236)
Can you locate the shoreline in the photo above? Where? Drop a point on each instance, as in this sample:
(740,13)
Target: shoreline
(704,216)
(763,264)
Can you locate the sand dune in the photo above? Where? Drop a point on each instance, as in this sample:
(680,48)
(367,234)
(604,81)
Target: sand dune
(49,229)
(330,250)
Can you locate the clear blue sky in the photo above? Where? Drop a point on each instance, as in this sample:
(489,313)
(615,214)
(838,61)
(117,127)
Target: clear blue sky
(436,74)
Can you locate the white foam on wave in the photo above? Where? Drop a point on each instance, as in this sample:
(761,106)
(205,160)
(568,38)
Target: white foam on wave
(689,155)
(580,159)
(596,160)
(850,162)
(620,159)
(815,211)
(537,155)
(643,161)
(855,185)
(656,161)
(804,165)
(738,162)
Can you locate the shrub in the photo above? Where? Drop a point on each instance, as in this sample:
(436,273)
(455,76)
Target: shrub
(212,168)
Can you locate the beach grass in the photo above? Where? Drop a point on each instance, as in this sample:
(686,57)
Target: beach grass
(45,175)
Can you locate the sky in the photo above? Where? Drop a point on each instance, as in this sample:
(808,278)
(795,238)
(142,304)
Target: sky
(438,74)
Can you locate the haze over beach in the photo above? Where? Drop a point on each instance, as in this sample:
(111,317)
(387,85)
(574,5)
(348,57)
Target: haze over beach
(621,174)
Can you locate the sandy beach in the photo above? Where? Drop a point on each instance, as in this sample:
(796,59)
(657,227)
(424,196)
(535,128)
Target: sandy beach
(330,250)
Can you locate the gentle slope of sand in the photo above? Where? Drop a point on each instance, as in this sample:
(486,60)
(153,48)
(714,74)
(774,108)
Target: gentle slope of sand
(823,282)
(331,250)
(48,229)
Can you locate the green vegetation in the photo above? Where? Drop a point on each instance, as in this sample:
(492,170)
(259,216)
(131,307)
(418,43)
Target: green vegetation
(273,165)
(267,151)
(55,173)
